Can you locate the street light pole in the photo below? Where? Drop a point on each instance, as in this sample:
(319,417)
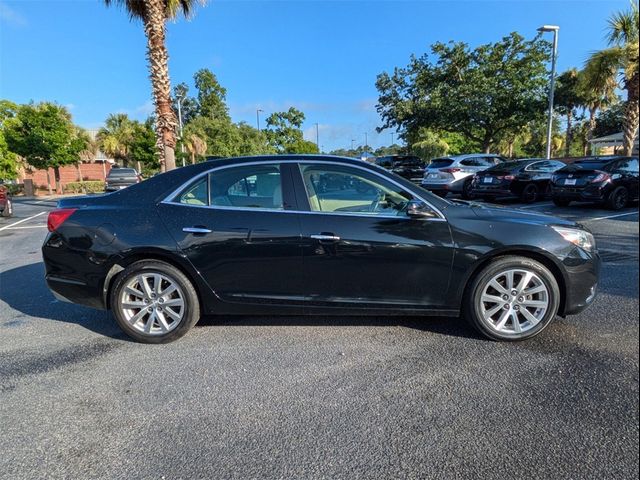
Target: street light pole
(392,139)
(318,136)
(366,142)
(352,143)
(258,118)
(180,98)
(554,29)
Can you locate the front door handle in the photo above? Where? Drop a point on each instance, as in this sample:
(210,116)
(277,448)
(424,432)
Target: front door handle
(326,237)
(196,230)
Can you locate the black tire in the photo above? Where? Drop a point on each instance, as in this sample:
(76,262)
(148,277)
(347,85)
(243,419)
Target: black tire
(472,305)
(529,193)
(618,198)
(561,202)
(7,212)
(467,193)
(190,314)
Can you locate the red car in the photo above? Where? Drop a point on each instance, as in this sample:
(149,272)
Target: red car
(6,209)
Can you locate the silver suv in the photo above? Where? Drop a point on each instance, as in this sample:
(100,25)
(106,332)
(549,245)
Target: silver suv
(454,174)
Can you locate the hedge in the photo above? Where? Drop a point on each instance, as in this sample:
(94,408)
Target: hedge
(92,186)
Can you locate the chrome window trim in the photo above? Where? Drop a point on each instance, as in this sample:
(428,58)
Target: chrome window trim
(169,198)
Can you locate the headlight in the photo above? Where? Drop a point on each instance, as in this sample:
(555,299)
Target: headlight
(578,237)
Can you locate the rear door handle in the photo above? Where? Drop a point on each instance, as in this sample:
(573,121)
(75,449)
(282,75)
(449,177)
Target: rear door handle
(326,237)
(196,230)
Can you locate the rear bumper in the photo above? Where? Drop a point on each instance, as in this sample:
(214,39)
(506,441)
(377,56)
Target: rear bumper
(452,186)
(488,191)
(579,194)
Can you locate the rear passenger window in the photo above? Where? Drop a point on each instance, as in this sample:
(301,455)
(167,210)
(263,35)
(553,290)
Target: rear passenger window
(254,186)
(197,194)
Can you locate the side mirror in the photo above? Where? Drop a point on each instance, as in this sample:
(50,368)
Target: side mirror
(418,209)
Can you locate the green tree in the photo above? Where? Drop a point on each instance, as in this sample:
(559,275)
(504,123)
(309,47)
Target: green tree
(284,132)
(568,97)
(212,96)
(620,60)
(8,160)
(610,121)
(428,144)
(220,135)
(196,146)
(142,147)
(154,15)
(598,90)
(188,105)
(478,93)
(116,136)
(253,141)
(44,136)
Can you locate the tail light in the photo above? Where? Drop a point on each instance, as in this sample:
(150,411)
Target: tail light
(450,170)
(507,177)
(601,177)
(57,217)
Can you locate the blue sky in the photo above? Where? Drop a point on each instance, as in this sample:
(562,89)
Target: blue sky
(319,56)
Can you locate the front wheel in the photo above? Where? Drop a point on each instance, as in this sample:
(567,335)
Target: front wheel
(154,302)
(513,298)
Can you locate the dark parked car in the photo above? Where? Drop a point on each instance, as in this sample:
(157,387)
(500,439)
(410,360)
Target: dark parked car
(6,207)
(120,178)
(612,181)
(257,236)
(407,166)
(527,179)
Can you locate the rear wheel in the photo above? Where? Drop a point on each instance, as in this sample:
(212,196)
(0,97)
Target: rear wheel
(467,194)
(513,298)
(618,198)
(561,202)
(154,302)
(529,193)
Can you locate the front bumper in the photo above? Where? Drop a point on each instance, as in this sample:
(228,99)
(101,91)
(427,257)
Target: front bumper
(582,272)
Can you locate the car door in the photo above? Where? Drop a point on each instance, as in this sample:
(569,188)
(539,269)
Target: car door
(238,228)
(627,169)
(359,246)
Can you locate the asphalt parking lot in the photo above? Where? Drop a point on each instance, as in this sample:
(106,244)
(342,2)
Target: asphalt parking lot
(296,397)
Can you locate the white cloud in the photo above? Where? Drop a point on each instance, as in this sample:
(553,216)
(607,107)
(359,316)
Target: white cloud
(11,17)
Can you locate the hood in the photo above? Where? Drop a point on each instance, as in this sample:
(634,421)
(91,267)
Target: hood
(496,213)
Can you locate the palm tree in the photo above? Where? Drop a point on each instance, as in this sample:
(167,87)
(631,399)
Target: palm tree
(154,15)
(568,97)
(114,139)
(598,91)
(620,60)
(195,145)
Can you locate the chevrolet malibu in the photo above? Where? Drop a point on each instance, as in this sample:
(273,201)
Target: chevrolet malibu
(259,236)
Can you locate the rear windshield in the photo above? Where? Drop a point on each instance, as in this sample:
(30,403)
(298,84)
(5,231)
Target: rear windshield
(586,165)
(122,172)
(507,166)
(440,162)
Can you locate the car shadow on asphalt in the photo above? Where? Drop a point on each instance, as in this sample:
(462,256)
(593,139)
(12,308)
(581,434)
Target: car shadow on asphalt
(25,291)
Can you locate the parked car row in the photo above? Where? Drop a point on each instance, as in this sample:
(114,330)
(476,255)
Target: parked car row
(612,180)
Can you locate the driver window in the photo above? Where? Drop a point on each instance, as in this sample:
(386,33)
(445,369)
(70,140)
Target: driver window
(334,188)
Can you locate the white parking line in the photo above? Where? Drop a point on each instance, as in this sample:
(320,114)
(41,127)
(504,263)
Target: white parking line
(537,205)
(610,216)
(22,221)
(27,226)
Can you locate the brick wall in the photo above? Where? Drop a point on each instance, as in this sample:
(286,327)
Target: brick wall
(69,173)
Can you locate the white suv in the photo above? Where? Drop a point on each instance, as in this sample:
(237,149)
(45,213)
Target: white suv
(454,174)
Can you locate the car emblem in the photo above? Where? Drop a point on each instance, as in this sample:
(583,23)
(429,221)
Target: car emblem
(571,175)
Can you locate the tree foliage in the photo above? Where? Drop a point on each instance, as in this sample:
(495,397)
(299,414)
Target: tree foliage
(480,93)
(44,136)
(212,96)
(284,132)
(568,98)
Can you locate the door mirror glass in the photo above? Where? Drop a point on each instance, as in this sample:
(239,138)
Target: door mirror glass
(419,209)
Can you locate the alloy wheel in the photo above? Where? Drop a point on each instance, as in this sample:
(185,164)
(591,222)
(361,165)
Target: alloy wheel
(514,301)
(152,303)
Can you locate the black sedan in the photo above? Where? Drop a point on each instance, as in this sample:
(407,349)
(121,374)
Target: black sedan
(259,236)
(408,166)
(612,181)
(527,179)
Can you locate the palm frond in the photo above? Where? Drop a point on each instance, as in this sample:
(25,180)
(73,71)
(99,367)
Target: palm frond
(624,26)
